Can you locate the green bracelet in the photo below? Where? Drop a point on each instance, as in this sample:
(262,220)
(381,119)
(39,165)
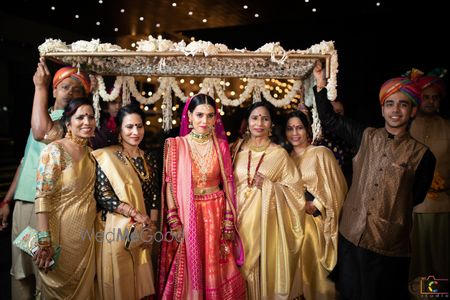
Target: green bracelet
(41,235)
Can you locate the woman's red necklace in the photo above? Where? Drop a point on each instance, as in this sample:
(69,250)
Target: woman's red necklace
(251,181)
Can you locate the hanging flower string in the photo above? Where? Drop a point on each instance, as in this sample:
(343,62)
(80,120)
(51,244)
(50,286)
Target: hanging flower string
(332,81)
(115,91)
(211,86)
(166,108)
(176,89)
(96,104)
(208,86)
(126,92)
(147,100)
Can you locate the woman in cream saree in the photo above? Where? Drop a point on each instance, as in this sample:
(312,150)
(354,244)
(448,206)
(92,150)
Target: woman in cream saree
(65,208)
(325,192)
(270,206)
(125,182)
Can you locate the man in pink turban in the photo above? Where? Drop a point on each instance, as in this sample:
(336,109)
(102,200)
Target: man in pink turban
(432,88)
(391,173)
(430,234)
(68,84)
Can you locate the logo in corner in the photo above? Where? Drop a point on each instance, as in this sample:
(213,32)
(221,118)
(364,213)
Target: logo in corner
(432,286)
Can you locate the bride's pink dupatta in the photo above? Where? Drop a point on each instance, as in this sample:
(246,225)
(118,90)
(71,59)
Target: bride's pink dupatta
(177,170)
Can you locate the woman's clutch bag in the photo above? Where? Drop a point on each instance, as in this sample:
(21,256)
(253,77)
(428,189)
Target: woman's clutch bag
(27,241)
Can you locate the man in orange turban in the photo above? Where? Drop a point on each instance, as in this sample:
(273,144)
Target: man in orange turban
(74,73)
(391,173)
(431,217)
(68,84)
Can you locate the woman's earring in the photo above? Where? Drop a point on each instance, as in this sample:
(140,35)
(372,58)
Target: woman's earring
(270,130)
(119,139)
(190,124)
(69,133)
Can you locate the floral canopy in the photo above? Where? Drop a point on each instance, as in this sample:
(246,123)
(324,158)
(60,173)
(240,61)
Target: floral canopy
(168,60)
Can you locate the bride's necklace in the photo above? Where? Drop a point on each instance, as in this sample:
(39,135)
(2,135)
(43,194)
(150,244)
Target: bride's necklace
(199,137)
(201,160)
(144,175)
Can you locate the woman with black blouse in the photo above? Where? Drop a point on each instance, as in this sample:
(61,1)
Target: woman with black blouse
(127,192)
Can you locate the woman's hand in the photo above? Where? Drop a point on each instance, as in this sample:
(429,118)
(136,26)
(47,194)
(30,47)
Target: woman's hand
(4,213)
(141,218)
(43,257)
(259,180)
(310,208)
(228,236)
(178,234)
(149,236)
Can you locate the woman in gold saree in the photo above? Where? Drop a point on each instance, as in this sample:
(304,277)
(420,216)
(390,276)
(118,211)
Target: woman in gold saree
(126,189)
(200,210)
(325,192)
(270,207)
(65,208)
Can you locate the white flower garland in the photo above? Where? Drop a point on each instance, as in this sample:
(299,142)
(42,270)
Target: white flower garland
(115,91)
(308,84)
(53,45)
(177,91)
(231,102)
(154,45)
(96,104)
(126,91)
(275,49)
(332,81)
(166,108)
(257,94)
(208,87)
(296,88)
(211,86)
(207,48)
(324,48)
(316,128)
(107,47)
(85,46)
(146,100)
